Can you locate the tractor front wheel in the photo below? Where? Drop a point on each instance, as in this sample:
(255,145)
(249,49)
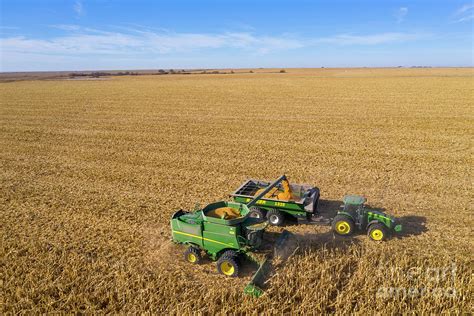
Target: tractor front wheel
(275,217)
(192,255)
(228,266)
(256,212)
(343,225)
(377,232)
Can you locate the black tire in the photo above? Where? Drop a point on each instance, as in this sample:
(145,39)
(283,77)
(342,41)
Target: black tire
(343,225)
(232,254)
(192,255)
(275,217)
(228,266)
(256,212)
(377,232)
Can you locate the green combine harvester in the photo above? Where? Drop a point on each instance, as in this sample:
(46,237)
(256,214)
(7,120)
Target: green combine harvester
(354,215)
(227,234)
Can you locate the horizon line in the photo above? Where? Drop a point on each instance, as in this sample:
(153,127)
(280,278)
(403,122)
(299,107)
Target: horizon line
(231,68)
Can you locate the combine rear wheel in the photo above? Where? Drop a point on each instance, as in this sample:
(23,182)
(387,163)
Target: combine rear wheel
(228,266)
(275,217)
(192,255)
(232,254)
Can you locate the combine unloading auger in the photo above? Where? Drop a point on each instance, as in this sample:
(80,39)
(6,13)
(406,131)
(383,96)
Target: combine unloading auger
(281,251)
(280,248)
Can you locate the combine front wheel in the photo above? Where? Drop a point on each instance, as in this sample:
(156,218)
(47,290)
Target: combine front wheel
(192,255)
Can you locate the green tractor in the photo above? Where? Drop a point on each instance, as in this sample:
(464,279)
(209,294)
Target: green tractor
(354,215)
(227,233)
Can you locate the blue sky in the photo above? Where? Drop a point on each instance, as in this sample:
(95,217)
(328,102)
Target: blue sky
(102,34)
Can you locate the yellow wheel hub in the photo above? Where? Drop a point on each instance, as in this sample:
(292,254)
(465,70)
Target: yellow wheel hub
(227,268)
(343,228)
(192,257)
(376,234)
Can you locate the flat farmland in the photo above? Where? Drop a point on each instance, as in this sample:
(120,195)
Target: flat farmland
(91,172)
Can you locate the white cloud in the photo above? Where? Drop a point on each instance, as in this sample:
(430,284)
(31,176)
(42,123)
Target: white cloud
(371,39)
(78,8)
(466,18)
(122,44)
(464,13)
(2,27)
(81,40)
(464,8)
(90,41)
(400,14)
(66,27)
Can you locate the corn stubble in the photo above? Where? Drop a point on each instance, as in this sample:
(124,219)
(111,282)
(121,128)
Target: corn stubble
(93,170)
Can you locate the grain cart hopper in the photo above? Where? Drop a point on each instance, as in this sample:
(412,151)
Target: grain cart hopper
(354,215)
(285,199)
(226,233)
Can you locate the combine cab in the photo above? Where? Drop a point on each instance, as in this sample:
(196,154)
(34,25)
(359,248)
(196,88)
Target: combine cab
(284,199)
(354,215)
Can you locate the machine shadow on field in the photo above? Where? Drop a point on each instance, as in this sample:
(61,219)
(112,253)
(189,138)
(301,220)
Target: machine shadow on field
(327,209)
(327,240)
(300,242)
(413,225)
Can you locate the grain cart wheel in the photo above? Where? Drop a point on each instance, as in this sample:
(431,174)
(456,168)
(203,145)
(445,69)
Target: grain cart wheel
(192,255)
(228,266)
(256,212)
(343,225)
(377,232)
(275,217)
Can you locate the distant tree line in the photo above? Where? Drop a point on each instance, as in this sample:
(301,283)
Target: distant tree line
(98,74)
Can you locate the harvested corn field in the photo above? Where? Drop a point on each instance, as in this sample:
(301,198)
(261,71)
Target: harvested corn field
(93,170)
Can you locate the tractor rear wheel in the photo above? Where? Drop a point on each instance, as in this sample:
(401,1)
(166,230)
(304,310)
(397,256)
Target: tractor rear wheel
(377,232)
(275,217)
(343,225)
(256,212)
(228,266)
(192,255)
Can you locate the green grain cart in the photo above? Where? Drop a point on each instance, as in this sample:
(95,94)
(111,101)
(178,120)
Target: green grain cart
(302,205)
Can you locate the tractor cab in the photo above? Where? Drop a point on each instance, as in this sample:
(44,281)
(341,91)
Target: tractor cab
(354,206)
(353,201)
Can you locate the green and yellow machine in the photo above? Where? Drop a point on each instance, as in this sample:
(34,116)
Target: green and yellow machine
(282,201)
(226,233)
(354,215)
